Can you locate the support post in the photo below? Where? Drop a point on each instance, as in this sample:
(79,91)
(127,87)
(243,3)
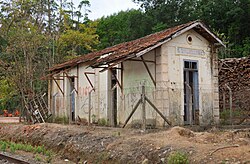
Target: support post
(89,108)
(230,103)
(162,116)
(54,106)
(133,111)
(143,108)
(224,100)
(150,74)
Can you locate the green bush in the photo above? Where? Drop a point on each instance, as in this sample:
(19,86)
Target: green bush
(177,158)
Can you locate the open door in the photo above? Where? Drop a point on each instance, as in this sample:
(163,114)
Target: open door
(191,92)
(72,98)
(114,97)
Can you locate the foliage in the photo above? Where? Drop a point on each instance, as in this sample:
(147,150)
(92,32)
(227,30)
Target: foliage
(225,114)
(229,17)
(102,122)
(62,120)
(8,96)
(12,146)
(77,42)
(121,27)
(38,158)
(93,117)
(178,158)
(35,35)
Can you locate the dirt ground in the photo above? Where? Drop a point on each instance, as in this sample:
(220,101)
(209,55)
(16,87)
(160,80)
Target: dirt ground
(9,119)
(82,144)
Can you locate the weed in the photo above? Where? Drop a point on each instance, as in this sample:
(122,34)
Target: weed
(19,146)
(62,120)
(49,156)
(12,149)
(226,114)
(39,149)
(38,158)
(29,148)
(93,118)
(104,156)
(3,146)
(178,158)
(102,122)
(48,159)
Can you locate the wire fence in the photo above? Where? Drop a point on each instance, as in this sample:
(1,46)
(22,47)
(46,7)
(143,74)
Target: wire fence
(118,104)
(234,105)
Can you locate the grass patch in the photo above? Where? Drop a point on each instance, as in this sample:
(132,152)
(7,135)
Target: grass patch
(102,122)
(13,147)
(62,120)
(225,115)
(178,158)
(38,158)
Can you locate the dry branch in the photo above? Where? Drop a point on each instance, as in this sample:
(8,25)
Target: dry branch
(223,147)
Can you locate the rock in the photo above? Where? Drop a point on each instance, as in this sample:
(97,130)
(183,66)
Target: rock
(146,161)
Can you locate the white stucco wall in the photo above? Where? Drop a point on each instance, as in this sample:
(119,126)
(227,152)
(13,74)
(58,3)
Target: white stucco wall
(98,96)
(135,75)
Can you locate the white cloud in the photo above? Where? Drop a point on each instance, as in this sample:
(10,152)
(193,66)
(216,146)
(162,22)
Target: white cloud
(101,8)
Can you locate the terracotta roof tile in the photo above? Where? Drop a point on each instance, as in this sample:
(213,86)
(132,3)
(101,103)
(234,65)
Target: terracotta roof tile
(122,50)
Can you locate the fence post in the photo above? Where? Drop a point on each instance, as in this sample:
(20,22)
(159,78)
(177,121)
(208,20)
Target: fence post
(230,103)
(190,104)
(143,108)
(224,100)
(89,122)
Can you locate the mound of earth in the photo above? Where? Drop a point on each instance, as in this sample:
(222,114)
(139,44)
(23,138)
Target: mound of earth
(115,145)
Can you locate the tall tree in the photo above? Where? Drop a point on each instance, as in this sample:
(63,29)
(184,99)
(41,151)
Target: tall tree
(229,18)
(30,33)
(121,27)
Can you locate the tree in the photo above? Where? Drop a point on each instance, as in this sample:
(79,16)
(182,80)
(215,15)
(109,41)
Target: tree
(78,42)
(30,33)
(121,27)
(226,17)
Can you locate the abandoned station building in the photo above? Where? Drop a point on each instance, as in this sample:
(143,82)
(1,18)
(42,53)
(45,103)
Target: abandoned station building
(176,67)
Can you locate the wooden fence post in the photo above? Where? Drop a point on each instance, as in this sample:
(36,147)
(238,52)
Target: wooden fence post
(230,103)
(143,108)
(89,108)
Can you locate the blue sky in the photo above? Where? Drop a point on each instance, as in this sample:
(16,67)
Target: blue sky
(101,8)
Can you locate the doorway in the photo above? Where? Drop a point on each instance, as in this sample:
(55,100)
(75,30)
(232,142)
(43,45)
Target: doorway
(191,92)
(72,98)
(114,97)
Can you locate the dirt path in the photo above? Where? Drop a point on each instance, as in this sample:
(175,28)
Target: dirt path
(9,119)
(115,145)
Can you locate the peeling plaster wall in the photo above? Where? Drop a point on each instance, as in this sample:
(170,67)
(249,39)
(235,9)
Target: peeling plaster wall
(134,76)
(61,104)
(102,110)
